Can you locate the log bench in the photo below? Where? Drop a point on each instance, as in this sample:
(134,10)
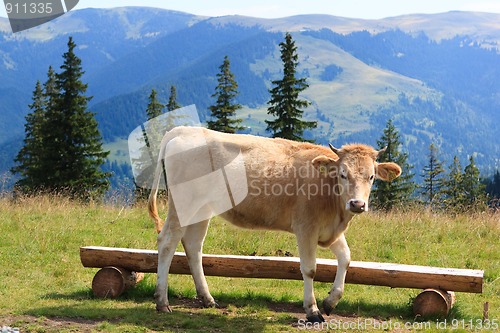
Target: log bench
(123,267)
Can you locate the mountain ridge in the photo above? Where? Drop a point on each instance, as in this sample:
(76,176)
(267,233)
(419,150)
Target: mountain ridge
(361,72)
(438,26)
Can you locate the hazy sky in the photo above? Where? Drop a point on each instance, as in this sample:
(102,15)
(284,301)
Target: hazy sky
(370,9)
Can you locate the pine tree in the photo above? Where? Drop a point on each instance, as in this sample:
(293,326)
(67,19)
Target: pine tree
(285,103)
(27,159)
(51,91)
(387,195)
(172,100)
(155,108)
(474,191)
(433,177)
(152,137)
(82,150)
(225,109)
(452,186)
(155,130)
(72,153)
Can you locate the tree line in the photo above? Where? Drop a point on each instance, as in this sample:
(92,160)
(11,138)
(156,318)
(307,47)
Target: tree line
(63,153)
(454,190)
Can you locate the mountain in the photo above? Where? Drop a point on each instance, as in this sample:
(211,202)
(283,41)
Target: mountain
(435,75)
(104,36)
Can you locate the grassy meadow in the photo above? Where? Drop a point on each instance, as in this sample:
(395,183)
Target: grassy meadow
(44,287)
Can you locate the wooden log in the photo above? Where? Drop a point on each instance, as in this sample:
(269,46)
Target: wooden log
(370,273)
(433,303)
(111,282)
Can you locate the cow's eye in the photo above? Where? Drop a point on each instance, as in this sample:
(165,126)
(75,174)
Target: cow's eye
(372,176)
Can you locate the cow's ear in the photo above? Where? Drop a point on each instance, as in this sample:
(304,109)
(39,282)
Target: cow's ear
(388,171)
(324,163)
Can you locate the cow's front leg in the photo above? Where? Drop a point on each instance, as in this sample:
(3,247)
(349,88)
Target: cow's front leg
(343,254)
(307,252)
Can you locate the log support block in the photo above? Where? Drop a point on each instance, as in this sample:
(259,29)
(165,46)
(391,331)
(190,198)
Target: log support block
(111,282)
(433,303)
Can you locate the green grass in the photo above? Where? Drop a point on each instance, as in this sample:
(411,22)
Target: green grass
(44,287)
(118,151)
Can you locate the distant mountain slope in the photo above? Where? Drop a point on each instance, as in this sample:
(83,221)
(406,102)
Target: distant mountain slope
(435,75)
(103,37)
(133,23)
(483,27)
(166,56)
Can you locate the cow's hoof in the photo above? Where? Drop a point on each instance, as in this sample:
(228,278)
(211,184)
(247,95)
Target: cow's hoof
(207,302)
(315,318)
(327,307)
(212,304)
(163,309)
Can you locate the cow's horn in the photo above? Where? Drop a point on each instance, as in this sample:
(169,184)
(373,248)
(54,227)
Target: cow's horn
(335,150)
(381,151)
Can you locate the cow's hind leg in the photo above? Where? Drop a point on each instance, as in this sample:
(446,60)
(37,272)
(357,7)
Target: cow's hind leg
(193,243)
(343,254)
(307,252)
(168,239)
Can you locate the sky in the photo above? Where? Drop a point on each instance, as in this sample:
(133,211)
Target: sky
(367,9)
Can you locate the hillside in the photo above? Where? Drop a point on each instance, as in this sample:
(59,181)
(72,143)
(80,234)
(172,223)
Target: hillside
(435,75)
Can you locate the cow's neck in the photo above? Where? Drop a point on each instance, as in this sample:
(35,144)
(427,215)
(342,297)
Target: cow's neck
(336,226)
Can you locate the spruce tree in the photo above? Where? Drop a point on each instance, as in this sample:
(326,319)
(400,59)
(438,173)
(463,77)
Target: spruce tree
(152,131)
(473,189)
(27,159)
(225,108)
(72,153)
(387,195)
(51,91)
(285,104)
(452,186)
(152,136)
(82,152)
(155,129)
(155,108)
(172,100)
(433,177)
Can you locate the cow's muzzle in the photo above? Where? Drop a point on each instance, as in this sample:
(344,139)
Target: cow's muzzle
(357,206)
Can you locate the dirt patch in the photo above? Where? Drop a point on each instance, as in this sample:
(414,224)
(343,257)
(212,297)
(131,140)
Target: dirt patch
(54,324)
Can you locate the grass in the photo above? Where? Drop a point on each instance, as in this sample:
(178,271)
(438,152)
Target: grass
(119,151)
(44,288)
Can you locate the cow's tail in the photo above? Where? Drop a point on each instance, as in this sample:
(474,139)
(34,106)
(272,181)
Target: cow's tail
(159,172)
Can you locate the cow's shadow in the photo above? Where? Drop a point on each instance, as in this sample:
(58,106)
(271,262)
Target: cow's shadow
(189,314)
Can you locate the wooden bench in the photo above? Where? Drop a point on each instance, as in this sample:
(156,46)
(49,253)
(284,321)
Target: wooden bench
(122,267)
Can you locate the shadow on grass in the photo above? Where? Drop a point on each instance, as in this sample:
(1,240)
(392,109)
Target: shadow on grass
(146,317)
(253,311)
(136,307)
(376,310)
(239,300)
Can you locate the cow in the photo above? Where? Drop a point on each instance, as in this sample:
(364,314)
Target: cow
(306,189)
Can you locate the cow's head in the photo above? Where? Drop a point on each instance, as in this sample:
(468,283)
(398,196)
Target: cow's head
(356,168)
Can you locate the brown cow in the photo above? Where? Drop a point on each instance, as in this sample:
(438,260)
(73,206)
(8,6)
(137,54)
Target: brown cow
(308,190)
